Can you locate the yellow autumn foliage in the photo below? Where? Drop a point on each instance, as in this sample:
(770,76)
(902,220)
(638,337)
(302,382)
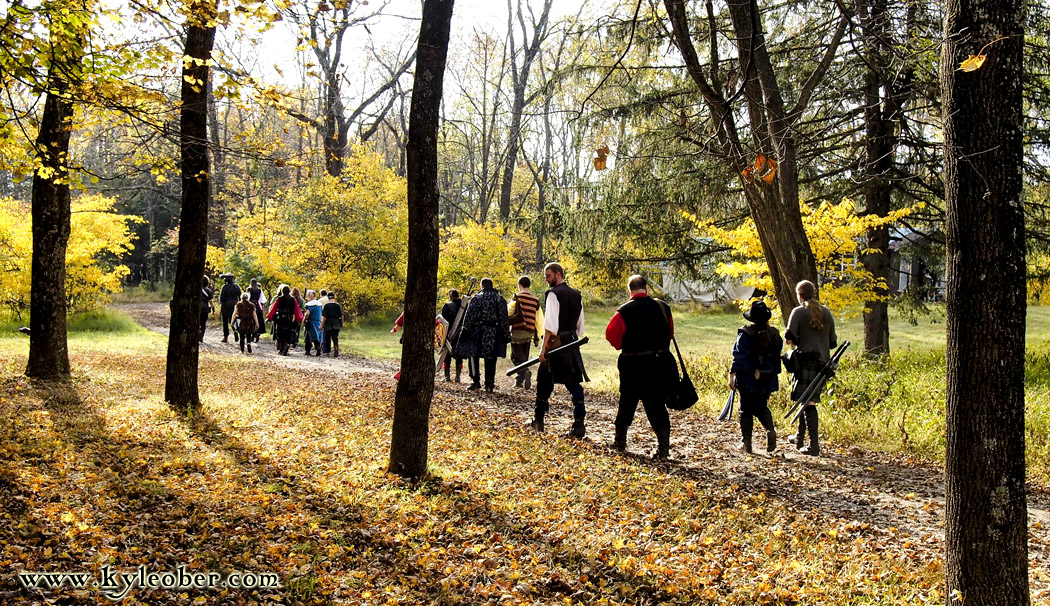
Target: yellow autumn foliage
(479,251)
(835,233)
(350,235)
(97,238)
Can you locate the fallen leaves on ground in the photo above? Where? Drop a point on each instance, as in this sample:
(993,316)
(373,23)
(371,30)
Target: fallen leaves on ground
(284,471)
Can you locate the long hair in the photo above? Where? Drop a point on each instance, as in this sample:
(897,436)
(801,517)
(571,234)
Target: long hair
(808,293)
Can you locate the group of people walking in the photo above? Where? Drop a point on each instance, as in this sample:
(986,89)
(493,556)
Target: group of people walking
(642,330)
(318,319)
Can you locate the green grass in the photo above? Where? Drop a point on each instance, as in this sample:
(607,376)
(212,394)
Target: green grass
(896,405)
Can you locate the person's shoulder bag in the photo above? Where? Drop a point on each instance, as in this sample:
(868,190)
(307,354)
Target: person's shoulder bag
(682,394)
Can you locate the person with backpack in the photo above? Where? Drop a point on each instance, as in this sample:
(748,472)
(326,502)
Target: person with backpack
(753,374)
(449,311)
(285,314)
(257,297)
(331,323)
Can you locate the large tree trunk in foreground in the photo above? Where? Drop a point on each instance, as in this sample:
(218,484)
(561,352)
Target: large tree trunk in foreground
(48,349)
(986,511)
(408,444)
(180,387)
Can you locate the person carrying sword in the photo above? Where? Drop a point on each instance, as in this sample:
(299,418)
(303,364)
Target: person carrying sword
(563,324)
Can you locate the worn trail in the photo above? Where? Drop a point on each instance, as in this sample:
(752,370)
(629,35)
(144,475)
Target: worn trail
(847,487)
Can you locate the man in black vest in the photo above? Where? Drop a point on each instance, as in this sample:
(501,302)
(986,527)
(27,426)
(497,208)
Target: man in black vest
(641,329)
(562,324)
(228,299)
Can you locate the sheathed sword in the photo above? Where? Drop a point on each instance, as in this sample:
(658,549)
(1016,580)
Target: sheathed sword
(727,409)
(817,382)
(536,360)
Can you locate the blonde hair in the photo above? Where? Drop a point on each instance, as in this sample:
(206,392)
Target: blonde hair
(807,291)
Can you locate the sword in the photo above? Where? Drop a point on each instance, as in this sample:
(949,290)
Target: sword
(536,360)
(727,410)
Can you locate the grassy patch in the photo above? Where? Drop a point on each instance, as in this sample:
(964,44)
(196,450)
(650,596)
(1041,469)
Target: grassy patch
(283,472)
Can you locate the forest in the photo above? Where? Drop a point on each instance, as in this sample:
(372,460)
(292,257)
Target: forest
(893,153)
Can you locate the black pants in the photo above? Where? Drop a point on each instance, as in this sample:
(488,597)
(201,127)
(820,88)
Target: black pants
(260,322)
(640,380)
(227,320)
(545,388)
(448,364)
(519,354)
(754,406)
(204,323)
(490,371)
(331,339)
(246,337)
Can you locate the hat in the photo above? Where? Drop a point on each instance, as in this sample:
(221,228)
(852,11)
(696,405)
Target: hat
(227,275)
(759,313)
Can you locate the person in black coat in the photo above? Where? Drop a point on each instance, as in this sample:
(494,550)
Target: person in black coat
(756,364)
(485,334)
(449,311)
(229,296)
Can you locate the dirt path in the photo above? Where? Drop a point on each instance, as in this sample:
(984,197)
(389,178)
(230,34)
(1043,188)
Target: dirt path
(898,497)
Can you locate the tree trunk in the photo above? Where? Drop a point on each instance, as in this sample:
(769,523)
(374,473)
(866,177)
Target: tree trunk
(408,444)
(774,206)
(48,349)
(180,388)
(986,511)
(880,141)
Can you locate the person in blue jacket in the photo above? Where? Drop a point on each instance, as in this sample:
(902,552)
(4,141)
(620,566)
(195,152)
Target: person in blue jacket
(756,364)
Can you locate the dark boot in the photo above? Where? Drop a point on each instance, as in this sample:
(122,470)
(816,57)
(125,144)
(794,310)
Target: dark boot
(812,426)
(619,442)
(335,352)
(663,445)
(537,423)
(448,376)
(771,440)
(747,426)
(459,371)
(579,428)
(799,438)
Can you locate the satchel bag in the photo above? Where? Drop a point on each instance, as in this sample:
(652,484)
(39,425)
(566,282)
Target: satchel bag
(516,316)
(681,395)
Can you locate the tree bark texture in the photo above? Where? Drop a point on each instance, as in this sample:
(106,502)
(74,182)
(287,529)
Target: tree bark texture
(48,348)
(180,388)
(986,511)
(415,390)
(880,109)
(774,206)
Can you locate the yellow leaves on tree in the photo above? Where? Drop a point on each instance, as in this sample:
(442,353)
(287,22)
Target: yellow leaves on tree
(349,234)
(98,236)
(475,250)
(835,232)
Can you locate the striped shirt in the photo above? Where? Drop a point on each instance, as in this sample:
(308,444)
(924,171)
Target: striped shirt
(528,304)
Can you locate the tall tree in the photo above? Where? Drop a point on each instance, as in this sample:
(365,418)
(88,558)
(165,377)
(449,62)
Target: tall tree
(48,348)
(520,79)
(773,201)
(180,387)
(986,509)
(415,390)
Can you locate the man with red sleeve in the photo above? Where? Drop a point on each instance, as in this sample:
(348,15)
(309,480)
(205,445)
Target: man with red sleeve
(641,329)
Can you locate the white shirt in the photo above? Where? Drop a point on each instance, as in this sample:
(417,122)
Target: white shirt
(550,315)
